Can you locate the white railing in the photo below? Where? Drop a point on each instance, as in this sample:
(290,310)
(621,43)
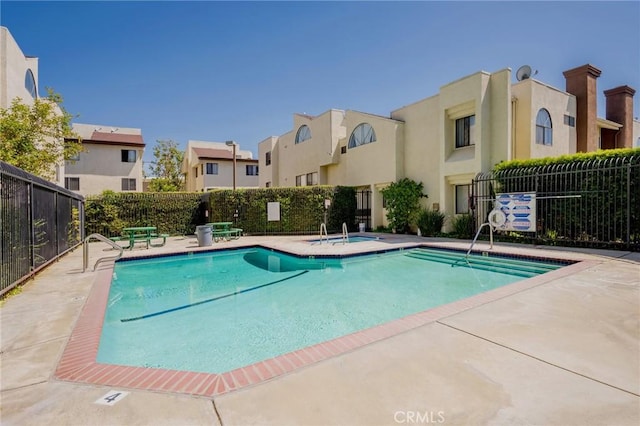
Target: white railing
(323,226)
(345,233)
(85,251)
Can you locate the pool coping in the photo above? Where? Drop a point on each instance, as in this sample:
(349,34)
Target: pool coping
(78,360)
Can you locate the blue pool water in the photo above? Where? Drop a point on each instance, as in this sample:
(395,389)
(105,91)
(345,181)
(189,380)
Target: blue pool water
(217,311)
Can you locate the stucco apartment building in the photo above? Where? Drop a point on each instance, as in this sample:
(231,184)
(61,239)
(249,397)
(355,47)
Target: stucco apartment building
(445,140)
(19,79)
(111,160)
(211,165)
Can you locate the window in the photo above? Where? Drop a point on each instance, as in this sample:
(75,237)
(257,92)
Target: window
(343,150)
(196,169)
(30,84)
(569,120)
(212,168)
(304,133)
(252,170)
(128,155)
(128,184)
(72,184)
(267,185)
(462,198)
(544,129)
(312,178)
(299,180)
(465,131)
(267,158)
(361,135)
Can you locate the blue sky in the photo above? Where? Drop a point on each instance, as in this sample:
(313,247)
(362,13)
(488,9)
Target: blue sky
(239,70)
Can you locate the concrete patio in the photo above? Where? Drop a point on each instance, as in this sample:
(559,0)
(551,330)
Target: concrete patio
(565,352)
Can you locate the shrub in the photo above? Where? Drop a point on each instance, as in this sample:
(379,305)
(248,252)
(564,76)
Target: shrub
(430,222)
(463,226)
(403,203)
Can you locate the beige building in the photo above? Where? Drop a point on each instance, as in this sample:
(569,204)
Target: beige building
(111,160)
(19,79)
(445,140)
(211,165)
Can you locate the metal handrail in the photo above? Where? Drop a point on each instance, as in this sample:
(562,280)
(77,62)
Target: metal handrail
(85,251)
(323,226)
(345,233)
(466,256)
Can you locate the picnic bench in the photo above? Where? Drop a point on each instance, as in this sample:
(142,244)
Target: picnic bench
(141,234)
(223,230)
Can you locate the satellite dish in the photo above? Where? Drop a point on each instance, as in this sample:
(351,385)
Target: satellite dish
(523,73)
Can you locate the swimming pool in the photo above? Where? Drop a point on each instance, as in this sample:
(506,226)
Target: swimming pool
(217,311)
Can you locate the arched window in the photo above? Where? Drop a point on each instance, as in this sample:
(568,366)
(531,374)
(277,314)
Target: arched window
(30,84)
(303,134)
(361,135)
(544,129)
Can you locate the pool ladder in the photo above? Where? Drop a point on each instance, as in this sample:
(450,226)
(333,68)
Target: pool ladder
(323,226)
(345,233)
(466,256)
(85,251)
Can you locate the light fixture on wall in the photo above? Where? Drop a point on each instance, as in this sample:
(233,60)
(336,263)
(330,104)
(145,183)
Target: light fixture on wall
(234,145)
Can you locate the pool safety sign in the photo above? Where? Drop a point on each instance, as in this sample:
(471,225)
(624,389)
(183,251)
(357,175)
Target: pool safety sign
(519,209)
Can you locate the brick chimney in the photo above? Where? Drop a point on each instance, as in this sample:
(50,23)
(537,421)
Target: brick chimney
(581,82)
(620,110)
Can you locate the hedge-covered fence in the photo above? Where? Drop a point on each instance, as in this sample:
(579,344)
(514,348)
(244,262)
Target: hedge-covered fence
(174,213)
(302,209)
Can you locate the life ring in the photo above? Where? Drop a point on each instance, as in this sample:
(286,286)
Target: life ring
(497,218)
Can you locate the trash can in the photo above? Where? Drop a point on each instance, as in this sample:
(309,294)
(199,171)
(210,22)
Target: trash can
(361,226)
(203,232)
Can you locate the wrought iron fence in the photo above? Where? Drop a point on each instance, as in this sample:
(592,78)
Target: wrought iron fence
(39,222)
(363,211)
(589,204)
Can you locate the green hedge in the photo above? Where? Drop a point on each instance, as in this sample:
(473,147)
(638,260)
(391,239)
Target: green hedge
(174,213)
(301,209)
(580,157)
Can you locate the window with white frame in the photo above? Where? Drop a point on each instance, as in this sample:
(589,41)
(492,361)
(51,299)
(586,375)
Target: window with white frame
(465,131)
(252,170)
(212,168)
(267,158)
(544,128)
(128,184)
(299,180)
(72,183)
(361,135)
(462,198)
(128,155)
(304,133)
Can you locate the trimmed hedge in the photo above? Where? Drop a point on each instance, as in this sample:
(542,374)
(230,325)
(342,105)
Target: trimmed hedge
(174,213)
(301,209)
(580,157)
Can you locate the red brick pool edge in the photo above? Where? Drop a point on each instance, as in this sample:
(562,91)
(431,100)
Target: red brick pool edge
(78,360)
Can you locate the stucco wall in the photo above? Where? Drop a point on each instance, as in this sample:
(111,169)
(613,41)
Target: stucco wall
(101,167)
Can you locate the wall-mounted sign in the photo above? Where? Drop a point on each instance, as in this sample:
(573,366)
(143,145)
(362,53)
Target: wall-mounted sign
(519,211)
(273,211)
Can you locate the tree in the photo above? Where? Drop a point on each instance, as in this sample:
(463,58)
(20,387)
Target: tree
(403,203)
(167,167)
(37,137)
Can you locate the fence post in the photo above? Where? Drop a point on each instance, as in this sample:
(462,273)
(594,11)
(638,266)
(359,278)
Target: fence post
(629,206)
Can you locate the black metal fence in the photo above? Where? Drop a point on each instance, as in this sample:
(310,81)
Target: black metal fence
(39,221)
(590,204)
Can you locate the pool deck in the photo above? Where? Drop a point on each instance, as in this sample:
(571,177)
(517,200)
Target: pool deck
(562,348)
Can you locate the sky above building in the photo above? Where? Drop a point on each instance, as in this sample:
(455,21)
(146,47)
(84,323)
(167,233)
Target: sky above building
(218,71)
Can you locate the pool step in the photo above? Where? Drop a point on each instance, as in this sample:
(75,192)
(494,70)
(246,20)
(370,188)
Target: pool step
(494,264)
